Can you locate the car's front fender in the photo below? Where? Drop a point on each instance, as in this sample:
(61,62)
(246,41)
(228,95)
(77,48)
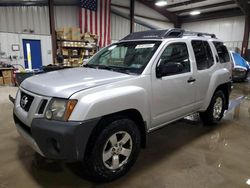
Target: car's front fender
(109,101)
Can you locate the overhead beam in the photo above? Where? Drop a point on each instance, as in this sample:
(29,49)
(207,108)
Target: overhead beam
(132,15)
(212,15)
(24,3)
(243,4)
(138,15)
(162,10)
(52,28)
(205,7)
(184,3)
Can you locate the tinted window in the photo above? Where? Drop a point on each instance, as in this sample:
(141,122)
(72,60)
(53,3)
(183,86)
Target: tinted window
(177,53)
(203,54)
(222,52)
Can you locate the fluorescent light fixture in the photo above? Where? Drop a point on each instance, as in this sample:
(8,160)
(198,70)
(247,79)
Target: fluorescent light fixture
(195,12)
(161,3)
(248,182)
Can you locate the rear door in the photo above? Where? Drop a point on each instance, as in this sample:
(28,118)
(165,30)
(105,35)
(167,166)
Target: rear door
(204,61)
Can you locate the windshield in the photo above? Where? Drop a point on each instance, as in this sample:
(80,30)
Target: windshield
(126,57)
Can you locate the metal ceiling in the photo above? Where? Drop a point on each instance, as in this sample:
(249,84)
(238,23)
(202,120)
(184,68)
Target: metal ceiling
(176,9)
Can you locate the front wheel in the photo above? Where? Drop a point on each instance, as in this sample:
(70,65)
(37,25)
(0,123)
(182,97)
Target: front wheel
(215,110)
(113,150)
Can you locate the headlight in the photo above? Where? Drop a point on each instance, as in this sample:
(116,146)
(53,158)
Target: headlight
(60,109)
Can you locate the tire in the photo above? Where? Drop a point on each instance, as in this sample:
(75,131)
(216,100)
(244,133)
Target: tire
(105,169)
(215,110)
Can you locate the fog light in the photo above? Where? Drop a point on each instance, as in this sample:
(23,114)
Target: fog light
(49,114)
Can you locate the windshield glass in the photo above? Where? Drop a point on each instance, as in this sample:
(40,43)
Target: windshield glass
(126,57)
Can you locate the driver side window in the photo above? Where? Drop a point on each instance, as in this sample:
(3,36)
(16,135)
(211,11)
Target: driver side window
(176,54)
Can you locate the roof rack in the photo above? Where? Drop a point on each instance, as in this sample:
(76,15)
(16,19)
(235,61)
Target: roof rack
(167,33)
(199,34)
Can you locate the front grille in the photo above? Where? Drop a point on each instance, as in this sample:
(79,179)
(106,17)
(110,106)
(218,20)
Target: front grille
(42,107)
(22,125)
(26,101)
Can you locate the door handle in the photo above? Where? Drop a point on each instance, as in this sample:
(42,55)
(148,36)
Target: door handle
(191,80)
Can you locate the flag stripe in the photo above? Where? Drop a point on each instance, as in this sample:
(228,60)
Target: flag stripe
(101,11)
(85,20)
(109,18)
(91,22)
(97,22)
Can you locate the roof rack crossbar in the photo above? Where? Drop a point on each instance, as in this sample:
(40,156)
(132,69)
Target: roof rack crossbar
(199,34)
(173,33)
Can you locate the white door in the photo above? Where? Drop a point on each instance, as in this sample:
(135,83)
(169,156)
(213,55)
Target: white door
(173,94)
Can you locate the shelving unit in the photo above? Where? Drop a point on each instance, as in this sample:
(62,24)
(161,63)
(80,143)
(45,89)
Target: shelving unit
(75,51)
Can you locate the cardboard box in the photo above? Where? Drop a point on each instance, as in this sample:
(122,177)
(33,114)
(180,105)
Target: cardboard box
(65,33)
(65,52)
(76,33)
(7,73)
(59,34)
(7,81)
(1,81)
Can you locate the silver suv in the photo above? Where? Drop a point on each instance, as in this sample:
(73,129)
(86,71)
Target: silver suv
(102,112)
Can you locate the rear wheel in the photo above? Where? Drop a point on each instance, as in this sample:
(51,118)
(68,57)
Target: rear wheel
(113,150)
(215,110)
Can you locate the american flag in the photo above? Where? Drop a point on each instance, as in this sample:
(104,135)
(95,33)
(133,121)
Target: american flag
(95,18)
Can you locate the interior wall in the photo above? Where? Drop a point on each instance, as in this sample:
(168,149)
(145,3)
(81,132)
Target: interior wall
(66,16)
(230,30)
(7,39)
(120,27)
(19,18)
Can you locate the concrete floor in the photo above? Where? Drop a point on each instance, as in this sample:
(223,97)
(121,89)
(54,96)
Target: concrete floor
(184,154)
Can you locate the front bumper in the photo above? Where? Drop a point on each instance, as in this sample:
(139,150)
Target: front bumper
(58,140)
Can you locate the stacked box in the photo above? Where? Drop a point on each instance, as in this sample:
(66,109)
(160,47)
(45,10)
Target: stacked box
(1,81)
(65,33)
(7,77)
(7,81)
(76,33)
(7,73)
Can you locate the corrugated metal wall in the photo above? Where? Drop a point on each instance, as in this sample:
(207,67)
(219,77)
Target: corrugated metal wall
(17,19)
(120,27)
(230,30)
(66,16)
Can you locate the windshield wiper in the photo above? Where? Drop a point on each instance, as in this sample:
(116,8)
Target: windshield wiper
(111,68)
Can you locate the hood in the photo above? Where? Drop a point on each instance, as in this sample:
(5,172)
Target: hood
(64,83)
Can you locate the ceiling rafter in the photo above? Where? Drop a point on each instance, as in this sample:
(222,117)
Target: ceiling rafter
(212,15)
(184,3)
(205,7)
(244,6)
(162,10)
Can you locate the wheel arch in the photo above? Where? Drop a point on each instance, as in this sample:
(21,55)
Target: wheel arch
(132,114)
(225,88)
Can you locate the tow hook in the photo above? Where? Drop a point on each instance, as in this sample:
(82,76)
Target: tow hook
(12,99)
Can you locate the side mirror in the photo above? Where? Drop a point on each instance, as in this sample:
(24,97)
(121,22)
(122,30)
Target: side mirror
(168,68)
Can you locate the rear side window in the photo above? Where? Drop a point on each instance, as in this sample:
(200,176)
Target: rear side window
(203,54)
(222,52)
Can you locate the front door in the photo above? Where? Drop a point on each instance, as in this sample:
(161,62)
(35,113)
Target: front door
(173,94)
(32,53)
